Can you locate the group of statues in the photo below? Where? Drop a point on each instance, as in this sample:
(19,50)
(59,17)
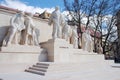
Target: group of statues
(21,31)
(61,29)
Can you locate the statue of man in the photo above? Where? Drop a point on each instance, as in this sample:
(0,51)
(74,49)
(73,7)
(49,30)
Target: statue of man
(66,32)
(30,36)
(87,43)
(55,19)
(75,37)
(16,25)
(99,47)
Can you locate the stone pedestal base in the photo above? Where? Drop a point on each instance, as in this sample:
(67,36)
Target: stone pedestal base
(16,58)
(60,50)
(55,48)
(21,48)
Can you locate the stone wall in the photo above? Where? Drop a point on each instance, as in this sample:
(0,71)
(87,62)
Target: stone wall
(41,24)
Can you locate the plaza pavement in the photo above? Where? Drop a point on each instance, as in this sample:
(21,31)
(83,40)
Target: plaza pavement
(107,72)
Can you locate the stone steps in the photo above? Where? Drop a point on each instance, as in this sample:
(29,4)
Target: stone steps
(56,68)
(35,71)
(38,68)
(43,63)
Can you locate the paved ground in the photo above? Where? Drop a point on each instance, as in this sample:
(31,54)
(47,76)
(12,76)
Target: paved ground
(109,72)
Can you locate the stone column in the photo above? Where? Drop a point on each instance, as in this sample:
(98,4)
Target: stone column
(117,55)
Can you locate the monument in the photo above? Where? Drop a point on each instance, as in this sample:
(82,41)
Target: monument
(59,49)
(20,44)
(54,48)
(30,33)
(55,19)
(21,34)
(66,31)
(75,37)
(16,26)
(87,43)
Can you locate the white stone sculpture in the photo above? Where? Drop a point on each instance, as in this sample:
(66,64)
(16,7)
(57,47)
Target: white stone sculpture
(55,19)
(66,32)
(75,37)
(99,47)
(87,43)
(30,35)
(16,26)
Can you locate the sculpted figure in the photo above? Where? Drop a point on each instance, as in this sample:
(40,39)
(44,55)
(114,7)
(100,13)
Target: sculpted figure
(30,35)
(75,37)
(66,32)
(99,47)
(55,19)
(16,26)
(87,43)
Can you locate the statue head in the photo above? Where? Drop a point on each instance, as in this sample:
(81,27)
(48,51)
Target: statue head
(20,13)
(57,8)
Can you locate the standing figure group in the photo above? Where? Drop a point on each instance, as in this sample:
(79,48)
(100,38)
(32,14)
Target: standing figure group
(61,29)
(21,31)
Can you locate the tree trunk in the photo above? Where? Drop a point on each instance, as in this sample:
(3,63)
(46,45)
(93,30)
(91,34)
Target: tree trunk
(117,56)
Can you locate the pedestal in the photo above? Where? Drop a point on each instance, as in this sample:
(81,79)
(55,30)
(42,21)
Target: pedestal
(60,50)
(21,48)
(57,50)
(16,58)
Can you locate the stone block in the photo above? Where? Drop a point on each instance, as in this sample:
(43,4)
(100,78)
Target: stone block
(21,48)
(60,50)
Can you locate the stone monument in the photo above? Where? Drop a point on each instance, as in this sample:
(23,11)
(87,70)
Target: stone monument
(54,50)
(99,48)
(55,19)
(87,43)
(16,26)
(66,32)
(21,35)
(30,33)
(75,37)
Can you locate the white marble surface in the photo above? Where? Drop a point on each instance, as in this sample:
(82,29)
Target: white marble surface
(106,72)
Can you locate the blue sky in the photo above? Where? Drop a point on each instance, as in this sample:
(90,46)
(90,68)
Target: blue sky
(33,5)
(44,3)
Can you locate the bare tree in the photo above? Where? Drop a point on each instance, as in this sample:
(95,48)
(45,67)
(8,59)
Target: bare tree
(78,10)
(107,8)
(117,56)
(95,12)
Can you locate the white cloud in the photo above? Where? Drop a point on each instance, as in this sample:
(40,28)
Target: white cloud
(16,4)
